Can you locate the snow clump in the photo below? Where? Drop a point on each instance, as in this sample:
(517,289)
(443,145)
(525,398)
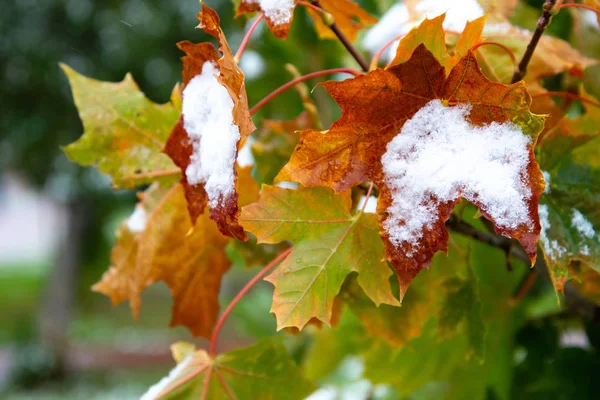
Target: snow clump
(208,120)
(440,156)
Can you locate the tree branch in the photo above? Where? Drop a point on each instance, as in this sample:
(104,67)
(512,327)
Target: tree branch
(573,299)
(342,38)
(535,39)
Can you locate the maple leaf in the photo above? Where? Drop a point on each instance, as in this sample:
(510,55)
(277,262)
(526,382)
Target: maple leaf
(431,33)
(157,243)
(455,305)
(262,371)
(124,132)
(329,243)
(375,108)
(348,15)
(221,81)
(567,154)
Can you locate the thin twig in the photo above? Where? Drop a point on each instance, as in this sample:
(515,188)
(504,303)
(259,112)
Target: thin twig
(238,297)
(535,39)
(342,38)
(583,6)
(294,82)
(246,39)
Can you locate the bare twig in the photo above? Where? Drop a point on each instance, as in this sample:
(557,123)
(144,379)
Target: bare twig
(535,39)
(342,38)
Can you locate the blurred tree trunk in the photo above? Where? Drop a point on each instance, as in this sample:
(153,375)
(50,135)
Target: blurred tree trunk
(59,300)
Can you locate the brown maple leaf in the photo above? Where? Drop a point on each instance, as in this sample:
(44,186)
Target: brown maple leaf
(348,15)
(180,147)
(375,108)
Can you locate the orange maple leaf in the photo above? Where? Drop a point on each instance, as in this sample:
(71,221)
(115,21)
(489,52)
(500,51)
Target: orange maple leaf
(348,15)
(375,108)
(224,210)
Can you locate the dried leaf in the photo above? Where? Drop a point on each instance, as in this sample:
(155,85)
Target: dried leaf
(179,146)
(348,16)
(374,109)
(158,243)
(278,19)
(552,56)
(190,262)
(262,371)
(329,243)
(123,131)
(429,33)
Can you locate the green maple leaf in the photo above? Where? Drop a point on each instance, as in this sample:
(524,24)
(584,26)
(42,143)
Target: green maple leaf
(568,154)
(262,371)
(124,132)
(330,242)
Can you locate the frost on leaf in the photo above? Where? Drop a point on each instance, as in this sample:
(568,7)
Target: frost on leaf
(375,108)
(214,125)
(330,242)
(124,132)
(568,153)
(262,371)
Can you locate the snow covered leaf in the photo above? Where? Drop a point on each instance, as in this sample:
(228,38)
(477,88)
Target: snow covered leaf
(488,119)
(552,56)
(153,245)
(262,371)
(214,125)
(569,215)
(348,16)
(279,14)
(330,242)
(124,132)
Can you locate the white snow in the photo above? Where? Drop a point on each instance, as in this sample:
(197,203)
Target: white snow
(399,21)
(278,11)
(245,157)
(208,120)
(583,226)
(371,206)
(547,179)
(551,247)
(175,373)
(439,156)
(136,223)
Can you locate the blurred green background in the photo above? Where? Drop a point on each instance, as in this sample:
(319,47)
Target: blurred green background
(57,220)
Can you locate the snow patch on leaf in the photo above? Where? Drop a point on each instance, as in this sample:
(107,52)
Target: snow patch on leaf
(547,179)
(208,120)
(136,223)
(439,156)
(583,226)
(552,248)
(278,11)
(165,382)
(458,12)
